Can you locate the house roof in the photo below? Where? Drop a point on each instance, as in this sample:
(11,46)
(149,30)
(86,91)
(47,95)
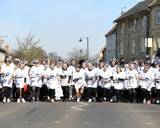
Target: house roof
(154,3)
(139,7)
(111,31)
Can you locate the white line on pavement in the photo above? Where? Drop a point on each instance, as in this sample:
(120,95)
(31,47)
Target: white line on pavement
(77,107)
(143,111)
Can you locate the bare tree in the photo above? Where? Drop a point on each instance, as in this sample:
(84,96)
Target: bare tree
(29,49)
(54,56)
(77,54)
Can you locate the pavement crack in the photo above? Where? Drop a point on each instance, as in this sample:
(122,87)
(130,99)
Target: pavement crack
(31,111)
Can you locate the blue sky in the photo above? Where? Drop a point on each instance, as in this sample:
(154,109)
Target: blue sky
(60,23)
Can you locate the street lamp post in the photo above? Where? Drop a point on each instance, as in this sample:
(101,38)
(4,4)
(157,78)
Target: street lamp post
(87,38)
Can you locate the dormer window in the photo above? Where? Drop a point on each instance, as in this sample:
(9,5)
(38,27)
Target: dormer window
(158,17)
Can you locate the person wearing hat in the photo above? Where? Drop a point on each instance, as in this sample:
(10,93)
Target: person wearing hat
(146,82)
(35,74)
(79,81)
(20,76)
(8,72)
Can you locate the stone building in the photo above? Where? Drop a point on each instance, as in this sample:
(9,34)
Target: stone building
(136,27)
(111,39)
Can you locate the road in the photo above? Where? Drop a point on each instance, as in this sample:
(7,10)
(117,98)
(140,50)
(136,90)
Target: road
(79,115)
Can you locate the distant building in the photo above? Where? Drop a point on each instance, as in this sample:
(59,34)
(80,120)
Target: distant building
(111,41)
(4,50)
(138,31)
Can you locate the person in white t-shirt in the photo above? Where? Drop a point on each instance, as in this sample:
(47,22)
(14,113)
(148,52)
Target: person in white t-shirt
(91,82)
(118,84)
(21,77)
(79,81)
(132,82)
(7,71)
(36,74)
(146,82)
(52,81)
(106,82)
(64,81)
(71,69)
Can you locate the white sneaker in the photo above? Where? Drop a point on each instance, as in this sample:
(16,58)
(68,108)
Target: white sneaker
(144,101)
(4,100)
(78,99)
(52,100)
(18,100)
(48,98)
(8,100)
(157,101)
(23,100)
(90,100)
(148,102)
(111,100)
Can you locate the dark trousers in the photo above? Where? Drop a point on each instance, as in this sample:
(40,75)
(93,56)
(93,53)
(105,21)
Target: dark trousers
(132,95)
(84,95)
(7,92)
(43,92)
(91,92)
(35,92)
(106,94)
(99,93)
(146,94)
(158,94)
(19,93)
(51,93)
(65,92)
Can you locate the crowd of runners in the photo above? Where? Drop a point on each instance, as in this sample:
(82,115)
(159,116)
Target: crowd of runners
(47,80)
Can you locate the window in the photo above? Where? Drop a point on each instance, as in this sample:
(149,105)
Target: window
(122,28)
(144,22)
(121,48)
(142,44)
(134,24)
(158,17)
(133,46)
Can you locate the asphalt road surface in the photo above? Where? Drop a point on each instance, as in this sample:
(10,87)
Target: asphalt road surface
(79,115)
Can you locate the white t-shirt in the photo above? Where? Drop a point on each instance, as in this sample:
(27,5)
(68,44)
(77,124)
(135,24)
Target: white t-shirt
(148,79)
(90,76)
(64,77)
(8,72)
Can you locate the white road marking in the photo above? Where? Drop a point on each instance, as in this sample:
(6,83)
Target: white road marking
(77,107)
(143,111)
(147,117)
(56,122)
(149,123)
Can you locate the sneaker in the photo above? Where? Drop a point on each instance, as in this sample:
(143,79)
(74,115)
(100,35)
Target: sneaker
(4,100)
(18,100)
(148,102)
(48,98)
(111,100)
(90,100)
(144,101)
(78,99)
(157,101)
(33,100)
(52,100)
(23,100)
(8,100)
